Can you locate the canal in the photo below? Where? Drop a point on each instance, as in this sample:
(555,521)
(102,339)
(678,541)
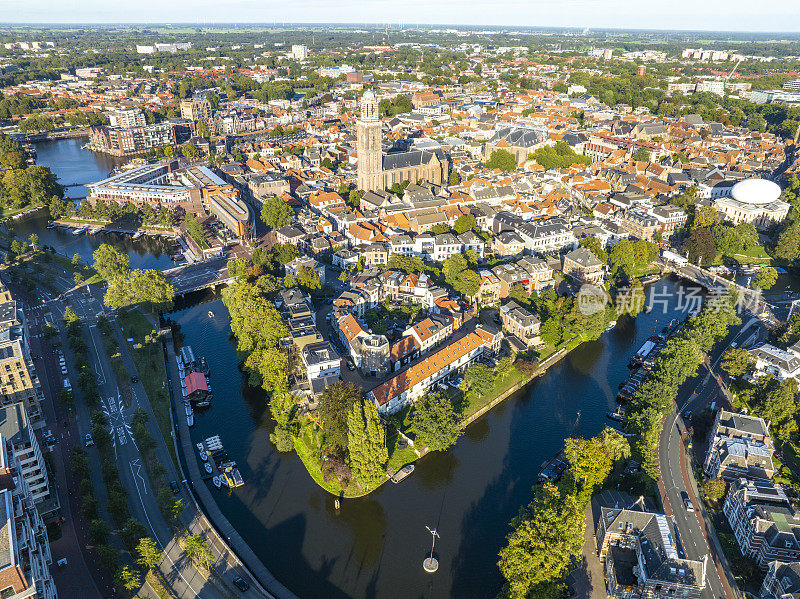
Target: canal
(74,167)
(374,546)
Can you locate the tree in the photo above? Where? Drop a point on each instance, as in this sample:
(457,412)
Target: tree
(237,266)
(148,553)
(479,378)
(366,443)
(502,159)
(76,259)
(34,241)
(110,263)
(641,155)
(336,403)
(504,368)
(276,213)
(190,151)
(128,578)
(765,278)
(547,535)
(596,247)
(701,247)
(464,223)
(592,459)
(198,551)
(202,128)
(454,179)
(787,244)
(713,490)
(98,532)
(437,423)
(705,216)
(308,278)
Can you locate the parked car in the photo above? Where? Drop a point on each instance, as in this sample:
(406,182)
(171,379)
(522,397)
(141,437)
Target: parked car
(240,583)
(134,379)
(173,484)
(88,440)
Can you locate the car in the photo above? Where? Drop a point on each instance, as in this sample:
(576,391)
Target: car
(687,503)
(173,484)
(88,440)
(687,414)
(134,379)
(350,365)
(240,583)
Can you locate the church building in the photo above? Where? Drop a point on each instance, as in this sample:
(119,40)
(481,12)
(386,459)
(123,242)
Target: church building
(377,171)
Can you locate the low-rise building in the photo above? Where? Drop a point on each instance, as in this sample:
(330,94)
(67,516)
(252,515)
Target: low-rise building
(322,364)
(773,361)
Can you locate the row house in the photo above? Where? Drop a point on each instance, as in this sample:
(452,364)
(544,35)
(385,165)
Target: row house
(763,521)
(669,218)
(409,385)
(430,332)
(639,223)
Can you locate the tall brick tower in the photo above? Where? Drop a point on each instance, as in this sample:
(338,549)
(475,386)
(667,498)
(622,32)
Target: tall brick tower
(369,150)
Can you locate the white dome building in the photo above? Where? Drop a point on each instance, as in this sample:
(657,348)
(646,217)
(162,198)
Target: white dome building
(753,201)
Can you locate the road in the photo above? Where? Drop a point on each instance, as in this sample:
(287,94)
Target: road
(695,529)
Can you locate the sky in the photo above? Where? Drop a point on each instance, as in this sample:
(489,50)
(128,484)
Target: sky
(714,15)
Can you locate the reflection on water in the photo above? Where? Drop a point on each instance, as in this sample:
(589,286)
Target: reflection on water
(374,546)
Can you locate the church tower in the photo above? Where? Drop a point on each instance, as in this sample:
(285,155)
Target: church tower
(369,147)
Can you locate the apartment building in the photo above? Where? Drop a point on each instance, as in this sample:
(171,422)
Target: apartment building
(369,352)
(196,109)
(24,546)
(642,557)
(18,379)
(22,444)
(408,385)
(765,524)
(739,446)
(782,581)
(322,364)
(640,224)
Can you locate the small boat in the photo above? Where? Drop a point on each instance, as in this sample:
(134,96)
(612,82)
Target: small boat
(401,474)
(200,447)
(188,410)
(210,314)
(208,467)
(216,482)
(611,325)
(190,420)
(617,416)
(138,234)
(204,456)
(79,231)
(223,481)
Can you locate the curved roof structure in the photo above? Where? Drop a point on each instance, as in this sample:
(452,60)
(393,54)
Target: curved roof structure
(756,191)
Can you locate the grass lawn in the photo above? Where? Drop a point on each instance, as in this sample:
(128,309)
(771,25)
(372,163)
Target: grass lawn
(755,255)
(475,403)
(6,212)
(150,365)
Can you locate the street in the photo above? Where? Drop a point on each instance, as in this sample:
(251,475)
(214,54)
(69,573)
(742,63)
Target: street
(677,476)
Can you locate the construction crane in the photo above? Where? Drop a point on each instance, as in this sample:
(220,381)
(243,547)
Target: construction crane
(738,62)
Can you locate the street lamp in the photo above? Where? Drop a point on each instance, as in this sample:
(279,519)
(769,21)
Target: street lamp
(431,564)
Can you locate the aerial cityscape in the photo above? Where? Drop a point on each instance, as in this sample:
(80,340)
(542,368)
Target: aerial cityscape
(501,306)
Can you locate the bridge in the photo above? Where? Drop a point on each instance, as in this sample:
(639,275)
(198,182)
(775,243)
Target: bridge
(199,275)
(51,135)
(750,299)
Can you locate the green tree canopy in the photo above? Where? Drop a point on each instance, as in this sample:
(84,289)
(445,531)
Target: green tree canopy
(502,159)
(366,442)
(437,422)
(276,213)
(336,402)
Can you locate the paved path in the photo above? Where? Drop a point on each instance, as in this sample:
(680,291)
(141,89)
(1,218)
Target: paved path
(222,528)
